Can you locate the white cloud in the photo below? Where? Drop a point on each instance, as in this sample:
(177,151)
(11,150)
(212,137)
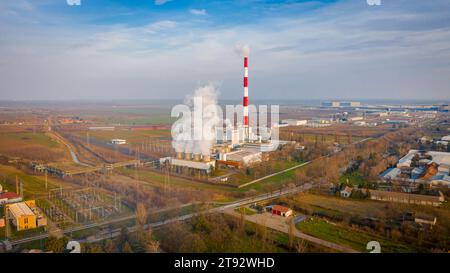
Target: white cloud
(161,2)
(160,25)
(198,11)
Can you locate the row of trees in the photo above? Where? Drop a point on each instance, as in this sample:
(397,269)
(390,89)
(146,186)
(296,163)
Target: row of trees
(224,234)
(369,158)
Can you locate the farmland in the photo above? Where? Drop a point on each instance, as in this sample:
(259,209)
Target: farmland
(33,184)
(31,145)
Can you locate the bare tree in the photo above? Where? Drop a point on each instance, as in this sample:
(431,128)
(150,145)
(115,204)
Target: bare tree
(301,246)
(141,215)
(291,230)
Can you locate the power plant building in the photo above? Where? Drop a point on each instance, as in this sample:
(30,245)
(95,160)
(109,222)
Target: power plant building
(246,157)
(197,165)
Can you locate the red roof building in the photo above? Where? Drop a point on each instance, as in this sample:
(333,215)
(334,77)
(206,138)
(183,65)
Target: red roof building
(282,211)
(9,197)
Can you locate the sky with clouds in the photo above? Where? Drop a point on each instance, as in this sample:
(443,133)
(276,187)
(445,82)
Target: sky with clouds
(164,49)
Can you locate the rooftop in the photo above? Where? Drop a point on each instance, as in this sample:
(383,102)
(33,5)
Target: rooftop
(9,195)
(20,209)
(280,208)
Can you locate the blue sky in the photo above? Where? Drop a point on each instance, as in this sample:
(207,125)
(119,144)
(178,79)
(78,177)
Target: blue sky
(144,49)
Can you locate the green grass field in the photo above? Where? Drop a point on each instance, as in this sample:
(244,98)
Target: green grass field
(245,210)
(155,119)
(132,136)
(38,138)
(353,178)
(340,206)
(274,181)
(33,146)
(354,238)
(32,185)
(271,183)
(218,192)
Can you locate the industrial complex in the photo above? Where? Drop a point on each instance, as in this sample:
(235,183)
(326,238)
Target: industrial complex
(236,147)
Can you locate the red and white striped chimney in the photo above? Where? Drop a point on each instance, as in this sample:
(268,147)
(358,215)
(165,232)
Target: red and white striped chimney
(245,104)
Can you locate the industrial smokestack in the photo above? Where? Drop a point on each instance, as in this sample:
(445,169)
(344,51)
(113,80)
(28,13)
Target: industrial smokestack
(197,157)
(245,102)
(206,158)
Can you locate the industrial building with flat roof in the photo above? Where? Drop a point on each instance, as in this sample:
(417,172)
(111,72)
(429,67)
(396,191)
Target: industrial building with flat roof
(22,216)
(429,167)
(25,215)
(244,156)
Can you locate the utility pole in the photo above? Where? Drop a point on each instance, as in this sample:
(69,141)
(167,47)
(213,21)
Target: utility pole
(46,180)
(7,231)
(21,189)
(17,184)
(115,200)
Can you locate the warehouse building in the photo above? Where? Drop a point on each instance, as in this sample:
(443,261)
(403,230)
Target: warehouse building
(429,167)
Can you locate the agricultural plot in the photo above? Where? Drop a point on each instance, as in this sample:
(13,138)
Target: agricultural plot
(132,136)
(354,238)
(95,146)
(32,145)
(33,185)
(191,188)
(362,208)
(152,114)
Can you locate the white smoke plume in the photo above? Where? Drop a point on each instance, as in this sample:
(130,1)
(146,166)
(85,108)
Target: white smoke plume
(243,50)
(209,117)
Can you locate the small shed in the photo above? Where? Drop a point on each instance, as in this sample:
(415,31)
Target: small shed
(346,192)
(282,211)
